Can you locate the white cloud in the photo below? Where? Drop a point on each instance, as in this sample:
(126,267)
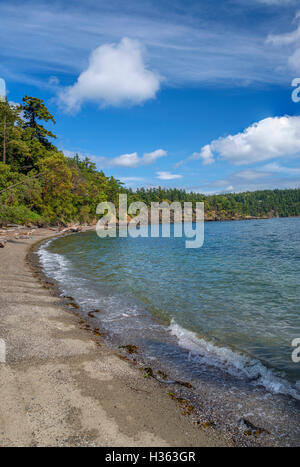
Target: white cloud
(167,176)
(198,46)
(53,81)
(2,88)
(249,174)
(125,160)
(131,179)
(292,40)
(133,160)
(268,176)
(266,171)
(116,75)
(150,157)
(276,168)
(276,2)
(133,182)
(285,38)
(294,60)
(205,154)
(267,139)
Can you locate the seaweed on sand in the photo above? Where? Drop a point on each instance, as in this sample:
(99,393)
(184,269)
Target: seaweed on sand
(73,305)
(130,349)
(249,429)
(188,408)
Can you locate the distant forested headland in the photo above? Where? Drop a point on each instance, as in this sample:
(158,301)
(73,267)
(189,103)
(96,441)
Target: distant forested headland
(40,185)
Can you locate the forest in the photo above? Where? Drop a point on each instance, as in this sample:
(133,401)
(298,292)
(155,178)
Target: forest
(40,185)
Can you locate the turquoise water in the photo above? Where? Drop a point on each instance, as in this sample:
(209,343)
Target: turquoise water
(232,304)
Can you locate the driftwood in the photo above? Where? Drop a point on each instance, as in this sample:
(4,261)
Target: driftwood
(24,235)
(73,228)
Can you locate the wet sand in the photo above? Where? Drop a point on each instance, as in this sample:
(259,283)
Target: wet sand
(62,386)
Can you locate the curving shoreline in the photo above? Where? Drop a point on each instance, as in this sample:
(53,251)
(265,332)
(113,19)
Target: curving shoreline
(223,399)
(62,386)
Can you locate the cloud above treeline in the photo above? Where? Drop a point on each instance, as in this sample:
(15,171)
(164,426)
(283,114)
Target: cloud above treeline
(130,160)
(133,159)
(116,75)
(167,176)
(267,176)
(270,138)
(2,89)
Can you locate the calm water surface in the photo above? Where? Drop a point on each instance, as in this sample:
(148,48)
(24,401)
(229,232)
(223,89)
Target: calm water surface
(233,304)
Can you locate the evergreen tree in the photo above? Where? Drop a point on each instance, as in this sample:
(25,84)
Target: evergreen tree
(34,109)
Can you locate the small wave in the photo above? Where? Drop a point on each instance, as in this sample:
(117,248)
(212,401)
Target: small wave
(54,264)
(236,364)
(201,351)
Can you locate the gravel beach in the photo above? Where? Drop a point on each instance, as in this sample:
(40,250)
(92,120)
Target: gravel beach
(62,386)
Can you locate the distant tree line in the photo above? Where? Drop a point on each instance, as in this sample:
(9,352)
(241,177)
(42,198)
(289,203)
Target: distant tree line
(40,185)
(264,203)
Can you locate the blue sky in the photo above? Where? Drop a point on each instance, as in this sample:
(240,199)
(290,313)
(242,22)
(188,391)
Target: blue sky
(187,93)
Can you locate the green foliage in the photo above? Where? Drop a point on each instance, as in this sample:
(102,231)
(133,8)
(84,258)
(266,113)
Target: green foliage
(9,118)
(39,184)
(34,109)
(20,215)
(265,203)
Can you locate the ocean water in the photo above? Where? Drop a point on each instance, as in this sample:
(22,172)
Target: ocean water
(227,310)
(234,303)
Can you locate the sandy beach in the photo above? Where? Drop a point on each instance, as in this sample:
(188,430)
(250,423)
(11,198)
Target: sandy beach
(62,386)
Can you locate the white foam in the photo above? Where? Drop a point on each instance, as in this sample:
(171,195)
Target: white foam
(200,350)
(54,264)
(236,364)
